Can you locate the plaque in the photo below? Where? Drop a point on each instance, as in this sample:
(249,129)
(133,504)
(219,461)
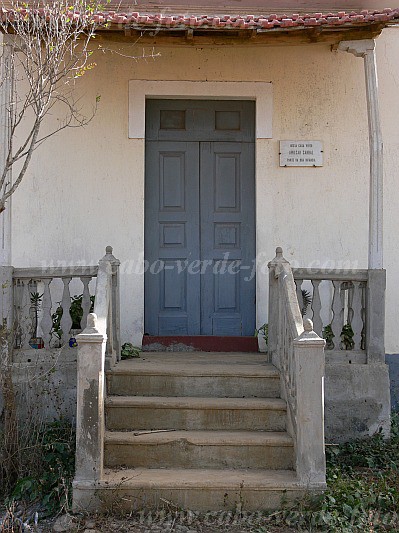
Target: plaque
(301,154)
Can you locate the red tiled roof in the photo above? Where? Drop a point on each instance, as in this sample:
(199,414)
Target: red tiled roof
(143,21)
(265,22)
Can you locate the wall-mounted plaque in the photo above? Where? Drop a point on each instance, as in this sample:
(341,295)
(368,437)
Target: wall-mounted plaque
(301,154)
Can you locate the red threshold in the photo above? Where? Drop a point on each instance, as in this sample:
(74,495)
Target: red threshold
(203,343)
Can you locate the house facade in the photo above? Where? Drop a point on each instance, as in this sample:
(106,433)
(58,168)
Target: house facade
(217,139)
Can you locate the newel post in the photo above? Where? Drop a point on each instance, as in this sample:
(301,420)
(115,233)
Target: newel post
(275,267)
(111,265)
(310,450)
(90,414)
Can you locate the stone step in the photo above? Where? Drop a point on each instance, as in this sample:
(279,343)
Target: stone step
(131,412)
(178,377)
(199,449)
(197,490)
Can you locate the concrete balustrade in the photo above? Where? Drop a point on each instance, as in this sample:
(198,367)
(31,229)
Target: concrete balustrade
(96,351)
(298,352)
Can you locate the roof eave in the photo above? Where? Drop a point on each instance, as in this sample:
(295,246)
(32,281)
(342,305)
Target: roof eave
(276,36)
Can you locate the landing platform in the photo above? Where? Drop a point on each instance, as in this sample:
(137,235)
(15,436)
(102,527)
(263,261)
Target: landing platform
(205,363)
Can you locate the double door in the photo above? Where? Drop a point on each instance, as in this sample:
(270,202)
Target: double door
(200,218)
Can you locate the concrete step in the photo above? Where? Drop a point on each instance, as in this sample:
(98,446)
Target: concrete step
(199,449)
(179,375)
(195,381)
(131,412)
(198,490)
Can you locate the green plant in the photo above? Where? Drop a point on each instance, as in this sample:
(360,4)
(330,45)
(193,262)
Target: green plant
(306,301)
(264,331)
(347,335)
(328,336)
(35,302)
(76,312)
(362,493)
(49,476)
(56,318)
(129,351)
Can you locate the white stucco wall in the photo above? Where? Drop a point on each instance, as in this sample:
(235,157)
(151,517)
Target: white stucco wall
(85,188)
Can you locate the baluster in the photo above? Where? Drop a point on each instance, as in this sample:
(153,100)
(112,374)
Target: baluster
(47,321)
(363,287)
(86,302)
(344,316)
(336,324)
(357,322)
(316,308)
(18,287)
(25,321)
(66,320)
(344,302)
(298,283)
(350,292)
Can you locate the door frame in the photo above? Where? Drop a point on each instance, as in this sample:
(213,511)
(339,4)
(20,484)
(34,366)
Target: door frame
(140,91)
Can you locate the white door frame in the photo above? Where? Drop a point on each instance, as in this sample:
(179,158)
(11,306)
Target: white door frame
(140,90)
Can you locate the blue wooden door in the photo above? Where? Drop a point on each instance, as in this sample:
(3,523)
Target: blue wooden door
(200,218)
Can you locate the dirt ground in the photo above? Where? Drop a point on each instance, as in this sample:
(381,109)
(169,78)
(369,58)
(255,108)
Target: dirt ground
(161,523)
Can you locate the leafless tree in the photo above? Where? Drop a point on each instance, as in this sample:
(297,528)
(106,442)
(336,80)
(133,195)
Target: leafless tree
(46,47)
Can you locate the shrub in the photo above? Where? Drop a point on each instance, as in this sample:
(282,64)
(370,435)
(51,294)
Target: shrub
(46,464)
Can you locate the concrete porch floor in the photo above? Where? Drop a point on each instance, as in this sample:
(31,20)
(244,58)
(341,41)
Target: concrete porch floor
(224,360)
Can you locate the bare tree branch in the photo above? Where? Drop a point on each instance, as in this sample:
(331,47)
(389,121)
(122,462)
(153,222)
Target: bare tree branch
(47,49)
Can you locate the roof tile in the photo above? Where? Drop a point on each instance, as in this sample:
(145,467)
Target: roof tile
(261,21)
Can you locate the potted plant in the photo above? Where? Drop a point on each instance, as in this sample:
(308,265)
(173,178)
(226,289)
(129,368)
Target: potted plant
(35,341)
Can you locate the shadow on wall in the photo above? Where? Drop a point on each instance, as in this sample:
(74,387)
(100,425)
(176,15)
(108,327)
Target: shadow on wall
(392,361)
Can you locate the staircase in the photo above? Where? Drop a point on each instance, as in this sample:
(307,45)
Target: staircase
(202,431)
(205,431)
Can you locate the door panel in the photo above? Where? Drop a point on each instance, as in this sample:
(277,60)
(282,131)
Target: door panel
(199,218)
(171,237)
(227,238)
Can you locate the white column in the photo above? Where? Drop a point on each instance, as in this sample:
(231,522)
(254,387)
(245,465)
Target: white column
(6,85)
(366,49)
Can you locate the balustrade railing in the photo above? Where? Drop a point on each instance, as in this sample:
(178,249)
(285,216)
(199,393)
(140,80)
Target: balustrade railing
(347,308)
(98,349)
(344,305)
(298,352)
(50,304)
